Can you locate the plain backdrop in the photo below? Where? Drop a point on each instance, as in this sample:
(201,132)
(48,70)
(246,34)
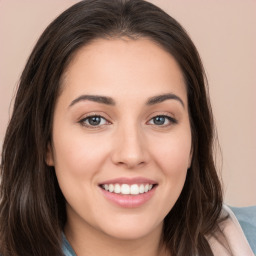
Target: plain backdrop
(225,35)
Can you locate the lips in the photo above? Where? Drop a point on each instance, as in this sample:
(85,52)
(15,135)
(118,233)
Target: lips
(128,192)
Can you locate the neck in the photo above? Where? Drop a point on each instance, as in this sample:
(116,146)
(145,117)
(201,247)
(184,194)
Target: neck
(87,241)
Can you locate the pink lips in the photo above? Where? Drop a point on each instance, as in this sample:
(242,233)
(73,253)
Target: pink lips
(129,181)
(129,201)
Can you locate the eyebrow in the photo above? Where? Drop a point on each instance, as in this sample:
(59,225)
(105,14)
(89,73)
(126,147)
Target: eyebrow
(164,97)
(95,98)
(109,101)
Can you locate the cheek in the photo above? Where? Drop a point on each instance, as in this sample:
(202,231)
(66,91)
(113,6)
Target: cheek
(173,155)
(78,155)
(172,158)
(77,162)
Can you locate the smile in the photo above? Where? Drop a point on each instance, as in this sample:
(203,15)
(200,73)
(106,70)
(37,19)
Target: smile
(129,192)
(125,189)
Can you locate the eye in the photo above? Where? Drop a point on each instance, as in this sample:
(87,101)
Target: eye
(93,121)
(162,120)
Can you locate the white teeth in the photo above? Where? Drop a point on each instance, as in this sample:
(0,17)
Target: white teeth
(126,189)
(135,189)
(110,187)
(117,189)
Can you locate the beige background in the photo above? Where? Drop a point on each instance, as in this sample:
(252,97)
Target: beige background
(225,35)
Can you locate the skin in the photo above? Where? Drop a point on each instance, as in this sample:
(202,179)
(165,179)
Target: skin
(126,143)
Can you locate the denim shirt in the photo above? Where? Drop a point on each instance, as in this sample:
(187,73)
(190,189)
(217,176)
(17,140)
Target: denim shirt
(247,220)
(66,247)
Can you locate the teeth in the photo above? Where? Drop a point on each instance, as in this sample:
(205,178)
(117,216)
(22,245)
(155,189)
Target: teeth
(135,189)
(126,189)
(117,189)
(142,188)
(111,188)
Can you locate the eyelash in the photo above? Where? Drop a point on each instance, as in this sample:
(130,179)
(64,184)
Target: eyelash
(170,119)
(83,121)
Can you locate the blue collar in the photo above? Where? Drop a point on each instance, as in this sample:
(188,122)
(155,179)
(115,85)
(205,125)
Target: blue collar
(66,247)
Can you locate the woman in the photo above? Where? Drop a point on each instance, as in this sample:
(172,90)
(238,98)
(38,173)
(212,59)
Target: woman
(109,148)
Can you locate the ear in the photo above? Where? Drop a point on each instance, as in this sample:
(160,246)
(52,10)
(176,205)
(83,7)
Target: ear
(49,159)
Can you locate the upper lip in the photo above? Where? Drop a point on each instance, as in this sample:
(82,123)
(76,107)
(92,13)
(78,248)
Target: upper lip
(129,181)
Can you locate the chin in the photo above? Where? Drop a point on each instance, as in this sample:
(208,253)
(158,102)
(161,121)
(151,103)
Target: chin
(131,231)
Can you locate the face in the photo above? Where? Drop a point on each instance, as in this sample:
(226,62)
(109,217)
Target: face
(121,142)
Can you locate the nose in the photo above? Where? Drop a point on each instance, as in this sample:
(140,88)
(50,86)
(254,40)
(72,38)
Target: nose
(129,149)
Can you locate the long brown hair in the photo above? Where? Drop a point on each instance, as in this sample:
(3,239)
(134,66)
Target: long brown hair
(32,210)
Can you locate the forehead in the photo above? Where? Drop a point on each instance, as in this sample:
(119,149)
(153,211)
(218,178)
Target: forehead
(138,67)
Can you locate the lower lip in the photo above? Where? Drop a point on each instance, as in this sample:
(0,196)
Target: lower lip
(129,201)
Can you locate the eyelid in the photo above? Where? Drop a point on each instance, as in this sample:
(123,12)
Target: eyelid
(160,113)
(94,113)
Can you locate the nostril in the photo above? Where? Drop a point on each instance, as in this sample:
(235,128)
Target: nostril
(129,150)
(130,164)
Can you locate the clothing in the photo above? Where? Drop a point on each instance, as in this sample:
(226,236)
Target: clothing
(237,242)
(66,247)
(247,220)
(231,228)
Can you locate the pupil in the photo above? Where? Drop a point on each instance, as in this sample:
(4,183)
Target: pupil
(95,120)
(159,120)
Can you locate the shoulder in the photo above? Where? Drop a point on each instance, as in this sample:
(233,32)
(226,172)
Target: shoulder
(246,217)
(234,238)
